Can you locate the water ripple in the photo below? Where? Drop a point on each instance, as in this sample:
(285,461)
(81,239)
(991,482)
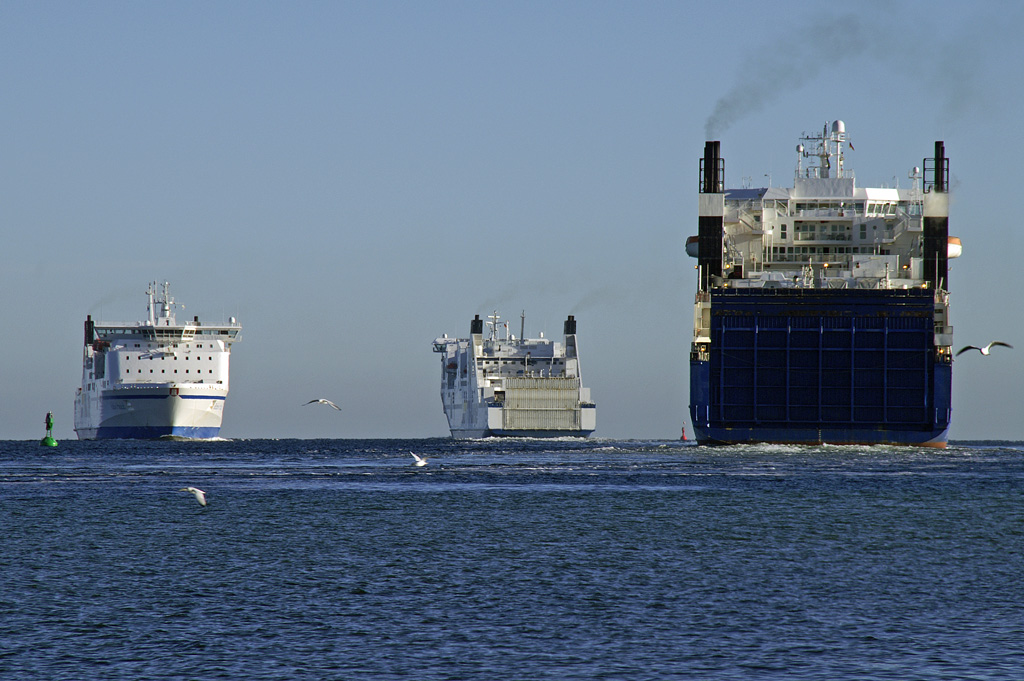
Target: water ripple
(529,559)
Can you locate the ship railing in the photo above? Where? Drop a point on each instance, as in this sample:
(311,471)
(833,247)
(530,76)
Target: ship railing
(171,334)
(743,212)
(908,223)
(807,236)
(815,172)
(747,220)
(832,213)
(830,259)
(781,207)
(733,253)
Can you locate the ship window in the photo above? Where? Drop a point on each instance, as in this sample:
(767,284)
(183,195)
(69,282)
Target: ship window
(150,371)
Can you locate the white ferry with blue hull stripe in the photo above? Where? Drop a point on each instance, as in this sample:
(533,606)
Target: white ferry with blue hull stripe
(157,378)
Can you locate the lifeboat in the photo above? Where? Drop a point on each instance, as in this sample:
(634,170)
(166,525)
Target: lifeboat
(692,249)
(953,247)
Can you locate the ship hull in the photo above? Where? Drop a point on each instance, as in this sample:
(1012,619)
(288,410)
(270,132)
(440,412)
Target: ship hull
(823,436)
(821,367)
(484,420)
(147,433)
(477,434)
(149,413)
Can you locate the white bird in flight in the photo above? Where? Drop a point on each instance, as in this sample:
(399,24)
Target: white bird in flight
(987,350)
(199,494)
(323,401)
(420,461)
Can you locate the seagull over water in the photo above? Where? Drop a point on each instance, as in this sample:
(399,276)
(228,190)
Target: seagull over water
(323,401)
(986,351)
(199,494)
(420,461)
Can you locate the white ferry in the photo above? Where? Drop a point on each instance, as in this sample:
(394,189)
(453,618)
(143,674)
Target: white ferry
(503,386)
(157,378)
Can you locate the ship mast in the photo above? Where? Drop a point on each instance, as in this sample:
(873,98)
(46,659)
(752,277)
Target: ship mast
(164,299)
(825,147)
(150,292)
(493,324)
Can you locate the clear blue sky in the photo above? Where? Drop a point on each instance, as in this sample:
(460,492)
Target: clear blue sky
(353,179)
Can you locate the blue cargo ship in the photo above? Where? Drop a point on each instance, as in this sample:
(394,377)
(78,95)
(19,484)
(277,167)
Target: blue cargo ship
(822,309)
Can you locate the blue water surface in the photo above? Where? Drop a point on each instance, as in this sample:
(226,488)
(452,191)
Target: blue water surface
(510,559)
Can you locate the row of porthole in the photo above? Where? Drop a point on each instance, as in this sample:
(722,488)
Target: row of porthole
(129,358)
(533,360)
(164,371)
(150,345)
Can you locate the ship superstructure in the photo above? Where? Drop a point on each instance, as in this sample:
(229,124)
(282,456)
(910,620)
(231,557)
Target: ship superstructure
(501,385)
(155,378)
(822,309)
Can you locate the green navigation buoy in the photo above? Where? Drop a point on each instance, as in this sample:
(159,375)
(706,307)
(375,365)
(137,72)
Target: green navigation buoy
(48,441)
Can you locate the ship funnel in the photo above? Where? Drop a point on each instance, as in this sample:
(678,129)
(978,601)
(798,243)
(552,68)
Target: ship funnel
(476,325)
(570,325)
(90,330)
(941,167)
(712,169)
(936,219)
(711,215)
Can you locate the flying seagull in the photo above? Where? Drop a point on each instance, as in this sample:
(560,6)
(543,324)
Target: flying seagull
(199,494)
(420,461)
(323,401)
(987,350)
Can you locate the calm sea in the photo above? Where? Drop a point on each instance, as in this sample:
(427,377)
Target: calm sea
(338,559)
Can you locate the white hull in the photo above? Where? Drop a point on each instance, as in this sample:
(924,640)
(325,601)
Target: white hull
(150,411)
